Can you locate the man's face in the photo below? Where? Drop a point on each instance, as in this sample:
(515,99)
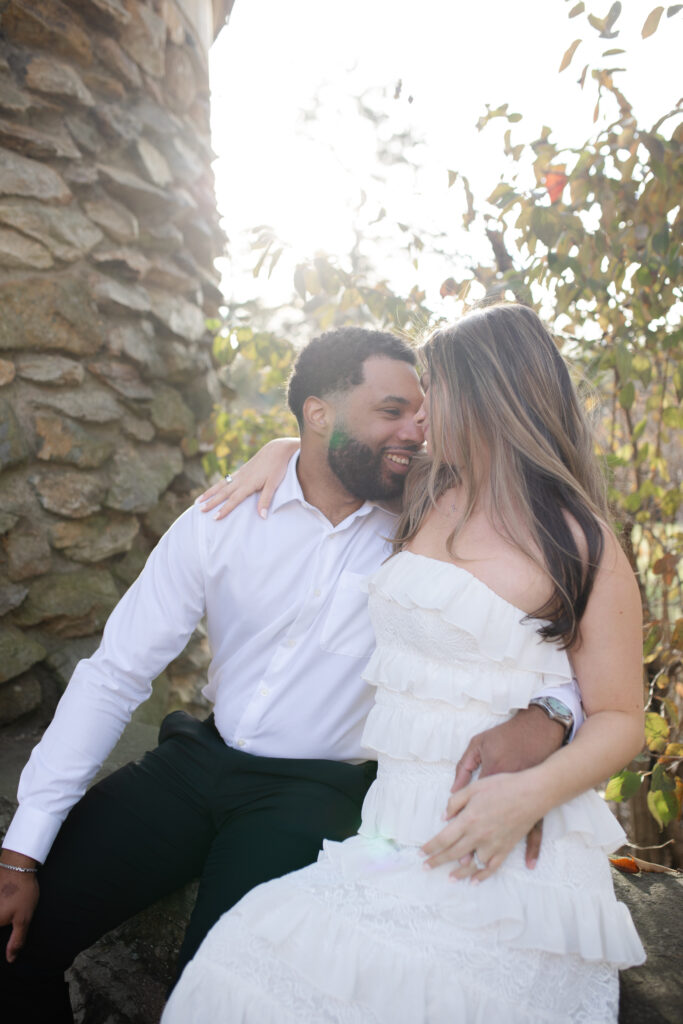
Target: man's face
(375,433)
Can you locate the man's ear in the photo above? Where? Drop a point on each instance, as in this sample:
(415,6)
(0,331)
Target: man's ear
(318,417)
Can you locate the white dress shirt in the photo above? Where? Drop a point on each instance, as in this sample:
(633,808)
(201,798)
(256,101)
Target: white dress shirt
(289,633)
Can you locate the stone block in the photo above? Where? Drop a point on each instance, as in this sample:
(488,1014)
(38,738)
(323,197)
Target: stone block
(63,659)
(111,13)
(18,652)
(63,440)
(153,163)
(65,231)
(117,62)
(14,447)
(19,252)
(135,341)
(19,697)
(140,476)
(39,144)
(11,595)
(56,79)
(7,521)
(136,193)
(170,415)
(7,372)
(28,552)
(43,314)
(70,494)
(180,82)
(85,134)
(117,123)
(46,369)
(137,429)
(20,176)
(177,314)
(144,38)
(119,223)
(94,539)
(117,296)
(14,100)
(123,378)
(70,604)
(48,25)
(653,993)
(93,405)
(125,261)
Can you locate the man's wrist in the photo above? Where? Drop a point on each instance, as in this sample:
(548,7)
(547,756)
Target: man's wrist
(18,860)
(557,712)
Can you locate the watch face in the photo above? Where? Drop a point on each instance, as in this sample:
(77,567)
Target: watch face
(558,708)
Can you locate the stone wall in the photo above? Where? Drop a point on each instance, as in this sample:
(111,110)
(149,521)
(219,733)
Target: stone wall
(108,232)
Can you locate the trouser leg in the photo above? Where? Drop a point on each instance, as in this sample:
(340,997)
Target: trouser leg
(136,836)
(274,821)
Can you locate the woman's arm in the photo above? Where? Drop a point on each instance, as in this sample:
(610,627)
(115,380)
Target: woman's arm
(263,472)
(493,814)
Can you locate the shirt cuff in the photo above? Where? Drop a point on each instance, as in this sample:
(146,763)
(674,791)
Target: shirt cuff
(570,695)
(32,832)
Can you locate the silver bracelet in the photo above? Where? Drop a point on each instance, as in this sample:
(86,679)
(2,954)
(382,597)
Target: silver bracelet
(13,867)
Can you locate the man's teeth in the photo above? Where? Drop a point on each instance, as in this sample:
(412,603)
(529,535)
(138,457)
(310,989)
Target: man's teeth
(402,460)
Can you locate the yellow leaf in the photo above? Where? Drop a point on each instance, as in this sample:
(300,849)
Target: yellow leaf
(651,22)
(656,732)
(569,53)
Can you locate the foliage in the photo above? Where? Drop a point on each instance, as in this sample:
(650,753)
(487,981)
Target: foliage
(590,236)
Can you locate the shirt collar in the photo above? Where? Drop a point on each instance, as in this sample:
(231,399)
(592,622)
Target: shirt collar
(290,490)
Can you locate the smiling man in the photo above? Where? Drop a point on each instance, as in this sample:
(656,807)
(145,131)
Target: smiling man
(251,793)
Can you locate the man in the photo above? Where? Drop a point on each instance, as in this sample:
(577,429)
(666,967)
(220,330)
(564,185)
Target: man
(251,793)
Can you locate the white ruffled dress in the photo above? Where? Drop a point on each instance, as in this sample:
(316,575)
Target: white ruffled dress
(365,935)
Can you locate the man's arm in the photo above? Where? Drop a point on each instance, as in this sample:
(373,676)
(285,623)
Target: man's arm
(147,629)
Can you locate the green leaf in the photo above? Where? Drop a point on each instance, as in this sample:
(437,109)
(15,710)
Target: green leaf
(627,395)
(623,362)
(661,779)
(652,22)
(568,54)
(673,417)
(663,806)
(656,732)
(623,786)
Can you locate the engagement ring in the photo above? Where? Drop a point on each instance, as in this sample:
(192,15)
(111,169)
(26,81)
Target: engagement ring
(228,478)
(477,862)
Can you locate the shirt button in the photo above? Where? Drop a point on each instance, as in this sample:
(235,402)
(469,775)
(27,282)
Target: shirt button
(241,743)
(290,643)
(264,691)
(317,592)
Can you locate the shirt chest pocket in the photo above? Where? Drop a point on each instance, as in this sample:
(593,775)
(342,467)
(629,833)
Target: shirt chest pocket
(347,629)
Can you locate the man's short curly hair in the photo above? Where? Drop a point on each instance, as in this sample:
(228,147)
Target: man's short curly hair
(334,362)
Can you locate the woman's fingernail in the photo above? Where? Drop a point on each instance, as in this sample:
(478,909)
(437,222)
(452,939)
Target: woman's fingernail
(475,881)
(263,513)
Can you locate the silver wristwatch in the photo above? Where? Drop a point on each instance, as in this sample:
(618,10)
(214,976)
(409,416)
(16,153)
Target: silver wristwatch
(556,712)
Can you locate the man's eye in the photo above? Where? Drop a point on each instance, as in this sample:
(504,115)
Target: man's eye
(392,412)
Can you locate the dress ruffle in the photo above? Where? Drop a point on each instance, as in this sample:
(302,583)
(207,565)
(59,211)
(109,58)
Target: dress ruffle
(409,810)
(505,634)
(357,962)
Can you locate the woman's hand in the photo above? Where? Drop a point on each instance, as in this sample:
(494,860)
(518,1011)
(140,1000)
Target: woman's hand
(489,817)
(263,472)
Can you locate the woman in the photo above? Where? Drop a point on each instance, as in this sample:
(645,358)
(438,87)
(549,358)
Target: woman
(504,572)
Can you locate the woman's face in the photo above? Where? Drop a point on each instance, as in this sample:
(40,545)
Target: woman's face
(422,415)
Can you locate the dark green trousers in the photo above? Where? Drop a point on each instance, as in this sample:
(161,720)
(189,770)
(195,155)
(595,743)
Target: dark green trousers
(191,808)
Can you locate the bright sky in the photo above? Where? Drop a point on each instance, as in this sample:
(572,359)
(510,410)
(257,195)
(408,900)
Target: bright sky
(276,56)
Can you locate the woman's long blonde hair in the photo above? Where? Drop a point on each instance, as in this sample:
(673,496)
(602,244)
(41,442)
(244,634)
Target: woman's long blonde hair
(499,386)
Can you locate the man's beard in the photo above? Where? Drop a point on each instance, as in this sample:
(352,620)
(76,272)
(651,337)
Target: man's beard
(362,471)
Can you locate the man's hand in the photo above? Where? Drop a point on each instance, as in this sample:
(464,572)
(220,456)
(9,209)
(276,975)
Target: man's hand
(524,741)
(18,899)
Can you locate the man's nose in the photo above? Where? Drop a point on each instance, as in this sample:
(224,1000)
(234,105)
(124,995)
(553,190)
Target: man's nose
(413,429)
